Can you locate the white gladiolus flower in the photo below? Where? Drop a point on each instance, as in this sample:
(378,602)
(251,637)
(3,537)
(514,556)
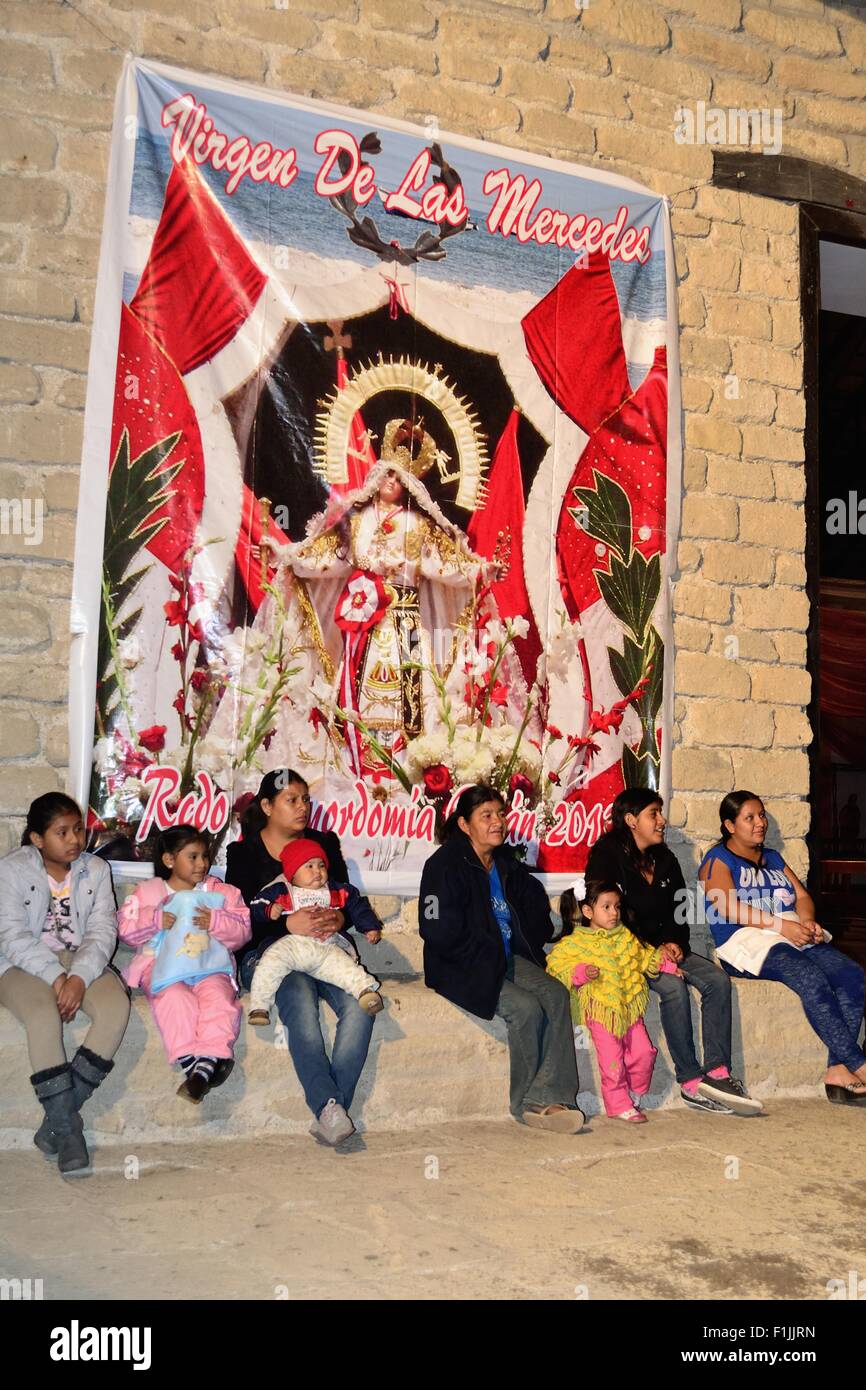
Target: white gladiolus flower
(130,652)
(517,627)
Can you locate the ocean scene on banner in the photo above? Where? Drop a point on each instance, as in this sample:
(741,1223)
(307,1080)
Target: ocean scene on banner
(387,479)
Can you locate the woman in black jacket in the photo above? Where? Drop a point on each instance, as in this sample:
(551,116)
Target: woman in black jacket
(634,855)
(278,814)
(484,921)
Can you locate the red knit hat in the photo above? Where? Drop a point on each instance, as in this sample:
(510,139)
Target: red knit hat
(298,852)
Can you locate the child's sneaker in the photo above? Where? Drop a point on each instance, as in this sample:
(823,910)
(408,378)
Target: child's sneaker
(631,1116)
(370,1001)
(259,1018)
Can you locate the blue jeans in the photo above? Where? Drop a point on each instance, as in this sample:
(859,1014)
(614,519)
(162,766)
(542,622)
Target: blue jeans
(831,989)
(714,987)
(323,1080)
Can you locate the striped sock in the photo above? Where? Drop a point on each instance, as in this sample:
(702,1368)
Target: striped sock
(187,1061)
(204,1067)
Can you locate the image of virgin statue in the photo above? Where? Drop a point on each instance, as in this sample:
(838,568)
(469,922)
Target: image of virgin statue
(380,597)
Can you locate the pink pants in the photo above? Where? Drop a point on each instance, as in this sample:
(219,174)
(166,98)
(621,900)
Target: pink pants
(626,1064)
(200,1020)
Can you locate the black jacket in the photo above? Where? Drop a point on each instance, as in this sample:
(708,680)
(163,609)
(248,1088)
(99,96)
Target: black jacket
(249,867)
(464,958)
(655,912)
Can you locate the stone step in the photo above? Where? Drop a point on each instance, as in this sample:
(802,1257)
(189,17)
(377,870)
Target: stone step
(429,1062)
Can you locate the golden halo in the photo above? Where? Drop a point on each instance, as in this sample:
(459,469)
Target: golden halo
(337,411)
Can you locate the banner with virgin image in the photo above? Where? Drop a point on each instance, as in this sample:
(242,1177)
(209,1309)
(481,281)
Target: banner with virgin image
(380,480)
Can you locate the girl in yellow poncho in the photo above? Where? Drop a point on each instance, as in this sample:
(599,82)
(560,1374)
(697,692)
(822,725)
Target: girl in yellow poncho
(605,967)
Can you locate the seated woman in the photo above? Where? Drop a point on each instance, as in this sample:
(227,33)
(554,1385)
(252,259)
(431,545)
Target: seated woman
(276,816)
(763,923)
(654,905)
(484,921)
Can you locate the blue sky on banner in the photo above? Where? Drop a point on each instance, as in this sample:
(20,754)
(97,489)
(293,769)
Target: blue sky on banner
(297,216)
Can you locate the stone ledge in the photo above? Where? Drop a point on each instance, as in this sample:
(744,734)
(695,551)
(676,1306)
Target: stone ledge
(429,1062)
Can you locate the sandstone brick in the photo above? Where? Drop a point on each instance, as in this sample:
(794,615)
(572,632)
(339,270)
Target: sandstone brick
(386,51)
(790,483)
(607,97)
(28,63)
(698,769)
(793,729)
(787,31)
(396,14)
(683,223)
(457,107)
(835,115)
(46,17)
(70,255)
(740,646)
(266,22)
(47,580)
(71,392)
(741,318)
(55,741)
(783,773)
(85,154)
(10,248)
(775,282)
(696,394)
(19,385)
(744,400)
(699,673)
(790,410)
(676,811)
(21,783)
(212,52)
(539,82)
(691,635)
(738,94)
(790,647)
(727,476)
(781,522)
(502,35)
(653,109)
(790,818)
(689,557)
(790,569)
(714,268)
(550,131)
(58,543)
(36,296)
(770,610)
(33,200)
(60,489)
(714,435)
(810,144)
(478,68)
(781,685)
(729,724)
(80,110)
(655,149)
(25,144)
(40,437)
(760,442)
(25,627)
(854,40)
(19,735)
(711,517)
(738,564)
(699,350)
(578,51)
(777,366)
(696,599)
(787,325)
(626,21)
(692,309)
(46,344)
(735,54)
(772,214)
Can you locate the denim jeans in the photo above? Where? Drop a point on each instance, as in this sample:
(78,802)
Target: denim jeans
(830,987)
(537,1014)
(714,987)
(297,1003)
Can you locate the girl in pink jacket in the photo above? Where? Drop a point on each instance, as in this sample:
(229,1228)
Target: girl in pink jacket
(184,963)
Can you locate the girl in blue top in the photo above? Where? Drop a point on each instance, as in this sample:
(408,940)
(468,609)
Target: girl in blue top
(763,923)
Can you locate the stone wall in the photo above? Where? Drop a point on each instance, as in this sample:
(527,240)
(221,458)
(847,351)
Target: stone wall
(597,83)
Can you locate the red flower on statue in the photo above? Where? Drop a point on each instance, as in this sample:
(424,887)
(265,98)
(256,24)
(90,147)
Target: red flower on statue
(438,780)
(153,739)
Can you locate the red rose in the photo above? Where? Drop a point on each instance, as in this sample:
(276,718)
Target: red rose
(153,739)
(437,779)
(521,783)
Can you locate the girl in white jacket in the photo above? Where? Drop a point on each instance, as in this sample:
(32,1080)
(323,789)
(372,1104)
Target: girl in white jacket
(57,935)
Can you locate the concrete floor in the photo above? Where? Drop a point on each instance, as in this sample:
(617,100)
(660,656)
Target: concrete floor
(688,1206)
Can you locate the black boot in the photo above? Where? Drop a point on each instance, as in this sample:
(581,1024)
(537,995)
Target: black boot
(89,1070)
(54,1090)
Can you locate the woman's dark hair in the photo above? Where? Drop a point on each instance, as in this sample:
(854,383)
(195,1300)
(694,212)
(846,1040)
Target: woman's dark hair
(45,810)
(172,842)
(570,909)
(468,801)
(632,802)
(254,820)
(730,807)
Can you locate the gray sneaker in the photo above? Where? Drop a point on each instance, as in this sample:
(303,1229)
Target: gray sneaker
(333,1124)
(730,1092)
(700,1102)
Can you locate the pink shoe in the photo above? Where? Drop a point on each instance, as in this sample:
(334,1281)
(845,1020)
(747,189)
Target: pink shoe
(634,1117)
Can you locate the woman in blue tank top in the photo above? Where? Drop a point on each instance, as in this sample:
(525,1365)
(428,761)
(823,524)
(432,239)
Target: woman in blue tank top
(763,923)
